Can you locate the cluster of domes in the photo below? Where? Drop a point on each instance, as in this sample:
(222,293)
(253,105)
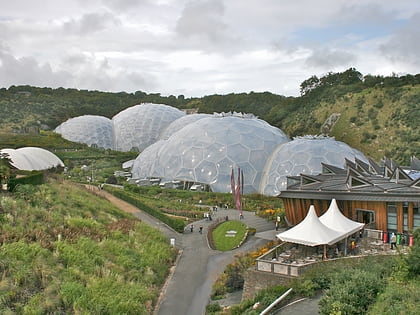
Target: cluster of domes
(132,129)
(206,150)
(32,158)
(203,148)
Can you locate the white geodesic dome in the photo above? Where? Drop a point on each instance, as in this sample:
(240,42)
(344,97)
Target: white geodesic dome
(304,155)
(32,158)
(181,123)
(143,166)
(89,129)
(206,150)
(137,127)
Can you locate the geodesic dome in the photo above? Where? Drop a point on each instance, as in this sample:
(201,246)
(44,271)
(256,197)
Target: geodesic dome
(32,158)
(137,127)
(89,129)
(206,150)
(143,165)
(181,123)
(304,155)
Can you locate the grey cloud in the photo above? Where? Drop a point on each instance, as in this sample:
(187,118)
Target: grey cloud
(90,23)
(78,70)
(404,45)
(203,19)
(92,73)
(123,4)
(329,59)
(26,70)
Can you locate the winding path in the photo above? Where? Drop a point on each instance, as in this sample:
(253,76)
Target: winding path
(187,290)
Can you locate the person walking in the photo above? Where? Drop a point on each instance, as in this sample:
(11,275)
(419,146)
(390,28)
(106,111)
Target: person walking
(192,228)
(393,241)
(200,229)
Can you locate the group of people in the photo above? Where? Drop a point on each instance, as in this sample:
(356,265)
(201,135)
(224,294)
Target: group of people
(200,228)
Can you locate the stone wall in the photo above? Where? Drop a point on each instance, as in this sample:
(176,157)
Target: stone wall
(257,280)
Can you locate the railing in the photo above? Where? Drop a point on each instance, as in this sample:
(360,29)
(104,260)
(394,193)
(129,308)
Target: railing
(274,263)
(277,301)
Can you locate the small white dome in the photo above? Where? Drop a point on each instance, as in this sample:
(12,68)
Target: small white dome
(32,158)
(89,129)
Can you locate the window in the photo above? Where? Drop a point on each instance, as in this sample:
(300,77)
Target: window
(367,217)
(391,208)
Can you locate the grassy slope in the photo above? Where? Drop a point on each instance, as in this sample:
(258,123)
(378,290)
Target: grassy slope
(64,250)
(376,121)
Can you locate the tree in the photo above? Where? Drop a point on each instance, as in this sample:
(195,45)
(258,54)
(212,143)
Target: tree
(413,259)
(309,84)
(5,167)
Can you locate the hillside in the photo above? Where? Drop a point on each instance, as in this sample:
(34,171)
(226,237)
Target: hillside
(65,251)
(378,115)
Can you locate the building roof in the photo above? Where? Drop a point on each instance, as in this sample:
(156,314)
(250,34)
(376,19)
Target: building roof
(357,181)
(312,232)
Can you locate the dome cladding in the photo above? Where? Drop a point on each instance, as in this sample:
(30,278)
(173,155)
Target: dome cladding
(139,126)
(32,158)
(89,129)
(304,155)
(206,150)
(181,123)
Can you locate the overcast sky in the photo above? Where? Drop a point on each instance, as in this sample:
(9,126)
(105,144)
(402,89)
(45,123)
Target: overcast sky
(203,47)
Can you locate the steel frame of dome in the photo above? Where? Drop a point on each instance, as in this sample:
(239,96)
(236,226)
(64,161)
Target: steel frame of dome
(32,158)
(139,126)
(89,129)
(304,155)
(181,123)
(206,151)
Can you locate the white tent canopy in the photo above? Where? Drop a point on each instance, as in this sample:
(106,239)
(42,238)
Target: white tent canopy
(311,232)
(334,219)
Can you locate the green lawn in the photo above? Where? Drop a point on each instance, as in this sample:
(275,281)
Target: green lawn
(224,236)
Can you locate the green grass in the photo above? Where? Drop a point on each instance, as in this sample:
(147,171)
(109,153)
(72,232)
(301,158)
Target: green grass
(66,251)
(223,242)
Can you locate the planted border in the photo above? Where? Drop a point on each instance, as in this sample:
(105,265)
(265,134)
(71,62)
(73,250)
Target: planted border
(177,224)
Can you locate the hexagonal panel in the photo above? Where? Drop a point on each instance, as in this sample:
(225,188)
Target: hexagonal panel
(211,146)
(141,125)
(89,129)
(304,155)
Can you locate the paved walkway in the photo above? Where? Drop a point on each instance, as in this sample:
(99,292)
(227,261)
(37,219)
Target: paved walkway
(188,288)
(308,306)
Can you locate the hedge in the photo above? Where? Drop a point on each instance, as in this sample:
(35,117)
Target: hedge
(33,178)
(177,224)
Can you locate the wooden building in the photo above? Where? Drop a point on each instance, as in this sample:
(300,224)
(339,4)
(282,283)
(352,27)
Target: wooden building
(385,197)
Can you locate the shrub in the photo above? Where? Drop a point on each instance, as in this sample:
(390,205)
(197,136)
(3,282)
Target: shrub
(352,291)
(112,180)
(213,308)
(398,298)
(31,178)
(413,260)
